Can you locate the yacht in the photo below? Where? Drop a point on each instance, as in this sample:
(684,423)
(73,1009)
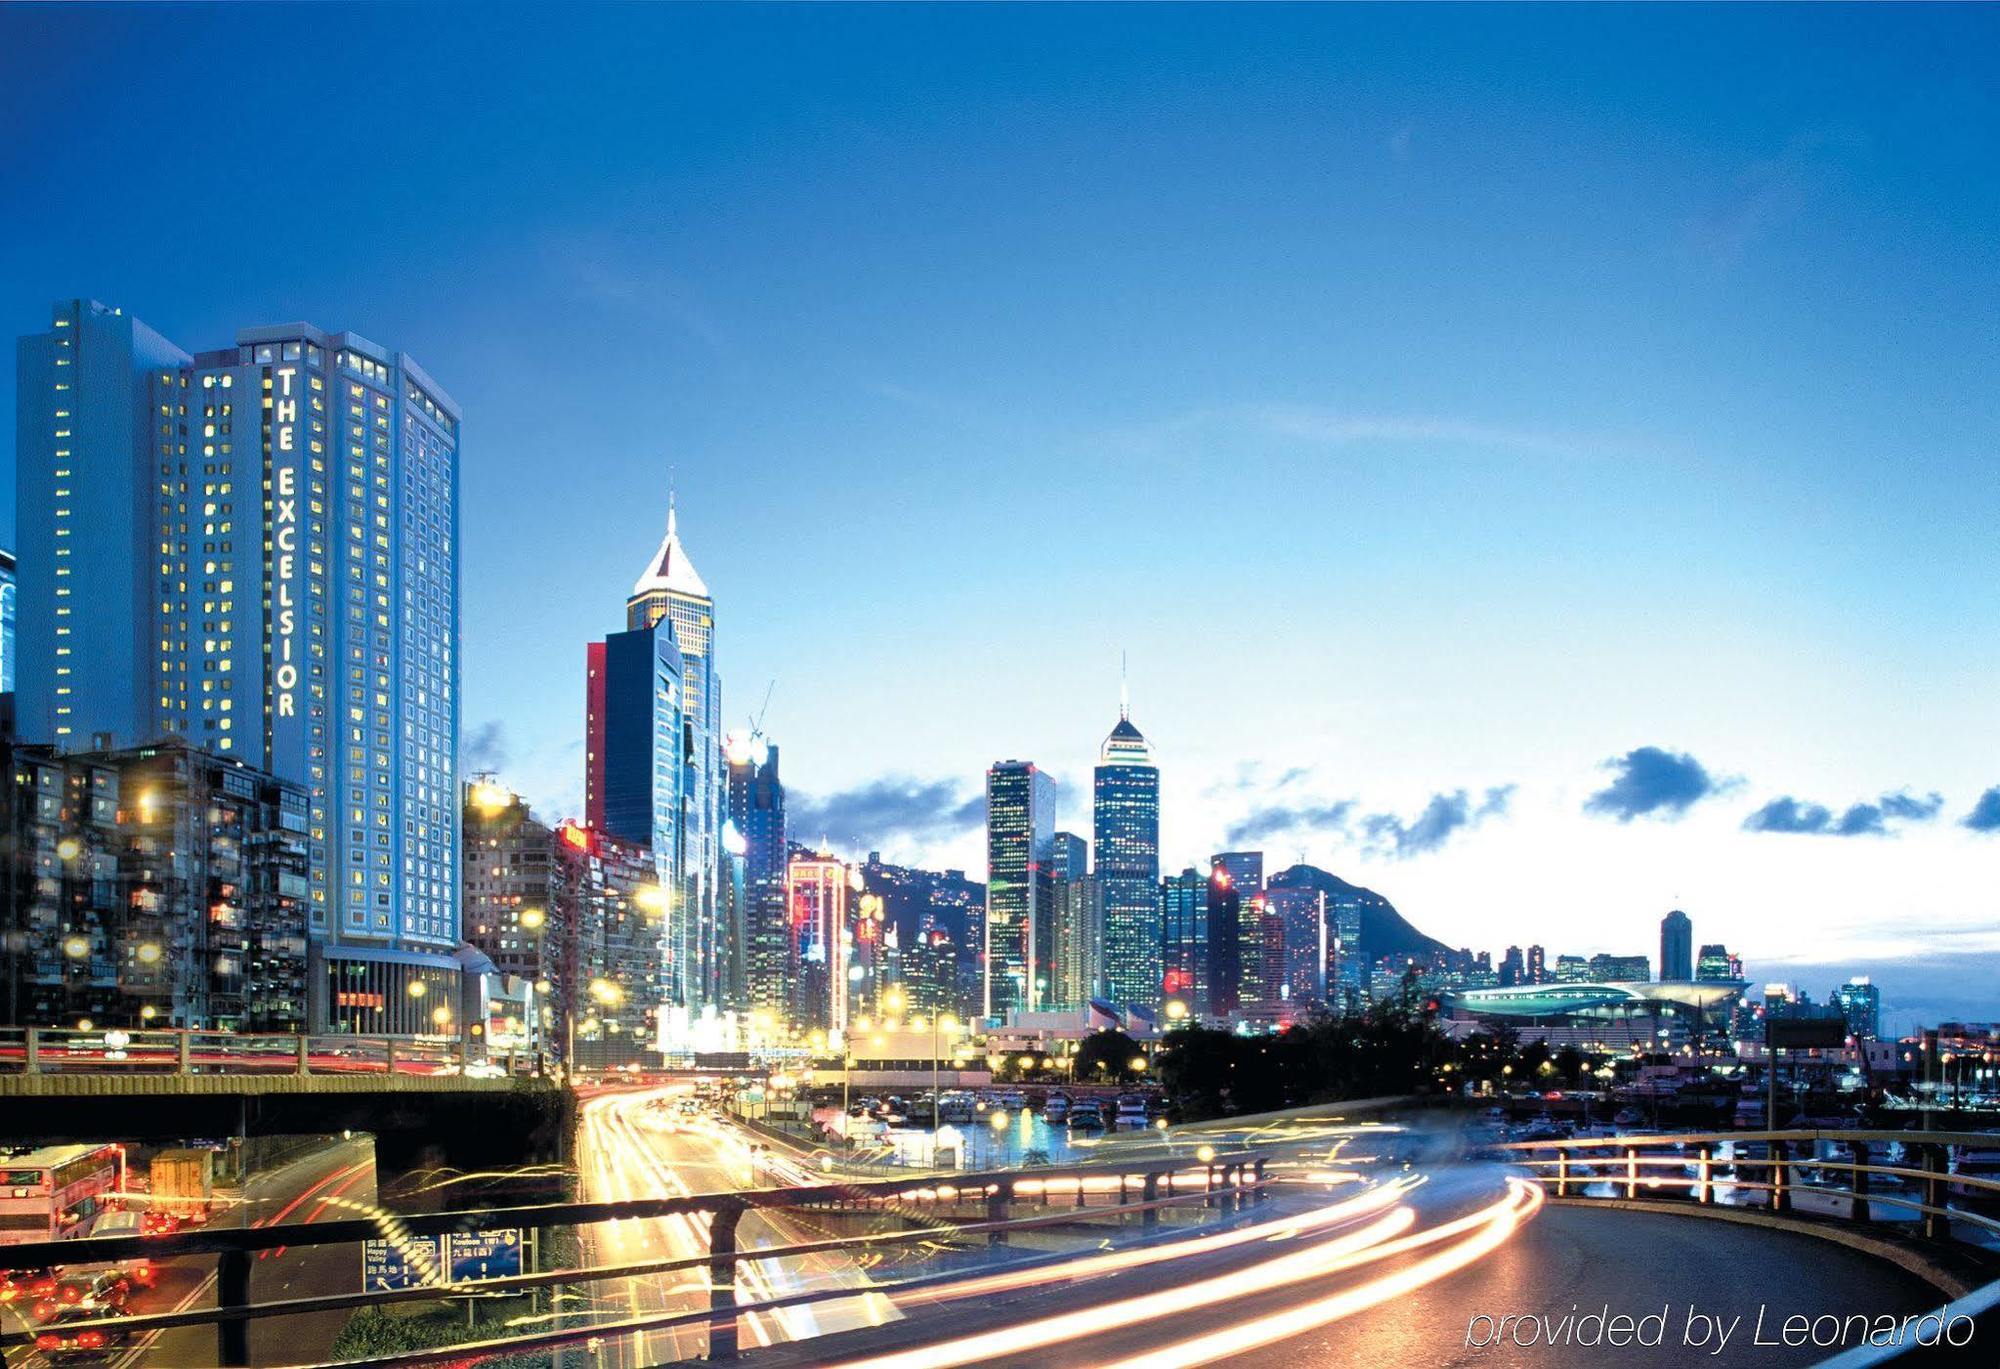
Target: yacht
(1086,1115)
(1055,1107)
(1132,1111)
(955,1106)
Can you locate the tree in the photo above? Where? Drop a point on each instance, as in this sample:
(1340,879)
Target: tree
(1106,1055)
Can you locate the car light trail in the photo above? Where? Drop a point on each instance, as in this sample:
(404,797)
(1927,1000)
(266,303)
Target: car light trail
(1484,1231)
(1381,1239)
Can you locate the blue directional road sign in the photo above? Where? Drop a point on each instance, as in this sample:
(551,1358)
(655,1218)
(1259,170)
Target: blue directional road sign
(485,1255)
(408,1263)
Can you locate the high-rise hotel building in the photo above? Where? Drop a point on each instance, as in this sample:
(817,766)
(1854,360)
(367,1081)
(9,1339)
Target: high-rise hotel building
(255,549)
(1020,888)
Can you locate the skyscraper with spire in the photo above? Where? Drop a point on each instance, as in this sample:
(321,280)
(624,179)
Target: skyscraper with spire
(672,589)
(1126,837)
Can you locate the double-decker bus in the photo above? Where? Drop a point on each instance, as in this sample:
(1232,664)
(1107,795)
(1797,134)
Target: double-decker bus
(55,1191)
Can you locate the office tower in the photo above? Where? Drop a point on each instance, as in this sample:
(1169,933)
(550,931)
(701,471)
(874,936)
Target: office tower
(1020,838)
(1716,963)
(256,549)
(606,987)
(1619,969)
(1246,870)
(509,889)
(756,811)
(1572,969)
(1225,943)
(1265,993)
(941,915)
(1183,919)
(1513,969)
(154,886)
(671,589)
(1125,834)
(1538,966)
(1676,946)
(7,593)
(1308,942)
(634,776)
(1069,884)
(816,890)
(1860,1002)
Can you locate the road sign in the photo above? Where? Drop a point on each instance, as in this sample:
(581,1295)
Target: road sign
(407,1263)
(485,1255)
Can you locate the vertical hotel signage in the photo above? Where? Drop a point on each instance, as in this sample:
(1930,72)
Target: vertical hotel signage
(288,593)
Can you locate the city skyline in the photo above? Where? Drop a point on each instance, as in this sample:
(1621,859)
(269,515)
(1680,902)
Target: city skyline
(1685,494)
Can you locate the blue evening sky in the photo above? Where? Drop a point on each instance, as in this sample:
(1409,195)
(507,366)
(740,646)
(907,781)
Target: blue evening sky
(1427,399)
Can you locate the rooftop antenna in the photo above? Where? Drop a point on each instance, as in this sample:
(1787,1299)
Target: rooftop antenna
(1124,691)
(670,501)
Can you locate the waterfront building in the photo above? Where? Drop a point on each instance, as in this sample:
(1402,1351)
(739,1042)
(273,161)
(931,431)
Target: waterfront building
(1538,967)
(1715,962)
(606,989)
(1572,969)
(1125,835)
(1619,969)
(1860,1003)
(1225,943)
(1310,944)
(255,549)
(1676,946)
(1020,835)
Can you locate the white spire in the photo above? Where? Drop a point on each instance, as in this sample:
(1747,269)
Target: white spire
(670,568)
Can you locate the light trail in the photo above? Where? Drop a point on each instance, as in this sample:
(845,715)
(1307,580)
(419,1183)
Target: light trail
(1488,1231)
(1382,1239)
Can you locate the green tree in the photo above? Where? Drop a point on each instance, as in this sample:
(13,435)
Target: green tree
(1106,1056)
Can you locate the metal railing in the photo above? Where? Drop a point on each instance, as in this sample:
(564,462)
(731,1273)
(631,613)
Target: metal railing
(1775,1166)
(148,1050)
(1223,1184)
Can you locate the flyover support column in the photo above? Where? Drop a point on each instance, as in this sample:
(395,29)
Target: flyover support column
(34,1048)
(1705,1169)
(232,1290)
(1631,1171)
(181,1051)
(1150,1192)
(997,1198)
(1781,1177)
(722,1283)
(304,1054)
(1562,1171)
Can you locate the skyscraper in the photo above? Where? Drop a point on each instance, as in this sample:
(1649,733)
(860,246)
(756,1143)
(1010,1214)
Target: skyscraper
(7,593)
(1246,870)
(1717,963)
(1020,840)
(1070,888)
(1676,946)
(1126,837)
(672,589)
(1538,965)
(1225,943)
(756,813)
(1183,917)
(256,549)
(816,891)
(1861,1004)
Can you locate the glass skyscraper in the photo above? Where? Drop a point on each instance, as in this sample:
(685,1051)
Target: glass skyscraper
(7,592)
(1126,837)
(1676,946)
(634,768)
(1183,904)
(672,589)
(255,549)
(757,819)
(1020,841)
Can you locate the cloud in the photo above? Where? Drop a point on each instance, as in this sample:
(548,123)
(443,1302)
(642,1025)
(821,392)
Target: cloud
(1772,193)
(1985,814)
(862,818)
(485,747)
(1273,820)
(1651,780)
(1444,814)
(1789,815)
